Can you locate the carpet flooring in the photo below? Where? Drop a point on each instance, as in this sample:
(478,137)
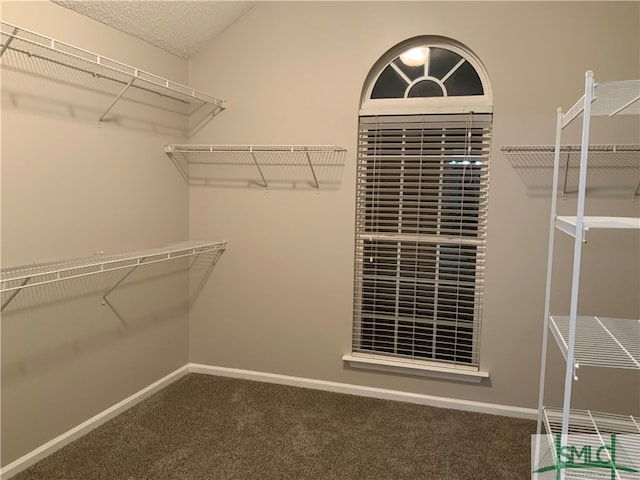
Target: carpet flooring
(212,428)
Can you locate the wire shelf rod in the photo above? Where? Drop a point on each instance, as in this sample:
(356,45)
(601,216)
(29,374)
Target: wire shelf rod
(192,148)
(608,148)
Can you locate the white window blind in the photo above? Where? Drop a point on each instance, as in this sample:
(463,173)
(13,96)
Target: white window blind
(422,184)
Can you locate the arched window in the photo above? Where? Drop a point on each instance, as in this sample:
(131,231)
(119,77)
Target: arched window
(423,171)
(428,71)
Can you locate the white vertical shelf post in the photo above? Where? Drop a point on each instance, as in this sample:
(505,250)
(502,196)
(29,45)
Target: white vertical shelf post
(577,254)
(547,295)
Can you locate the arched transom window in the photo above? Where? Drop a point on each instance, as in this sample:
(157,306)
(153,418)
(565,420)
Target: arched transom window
(428,72)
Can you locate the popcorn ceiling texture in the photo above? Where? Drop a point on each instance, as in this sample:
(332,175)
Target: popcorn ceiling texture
(179,27)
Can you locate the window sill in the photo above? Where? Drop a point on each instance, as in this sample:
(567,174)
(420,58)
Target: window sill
(424,369)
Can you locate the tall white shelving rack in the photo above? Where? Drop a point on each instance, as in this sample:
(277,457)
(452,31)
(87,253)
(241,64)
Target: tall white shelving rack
(584,340)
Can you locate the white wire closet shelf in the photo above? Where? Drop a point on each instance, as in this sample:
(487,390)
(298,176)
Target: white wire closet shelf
(596,429)
(259,157)
(569,224)
(35,45)
(609,99)
(15,279)
(611,156)
(600,342)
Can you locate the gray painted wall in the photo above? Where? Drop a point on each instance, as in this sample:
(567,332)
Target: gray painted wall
(72,188)
(281,301)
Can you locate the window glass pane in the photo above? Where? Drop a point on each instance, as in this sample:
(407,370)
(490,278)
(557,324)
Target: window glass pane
(441,61)
(461,77)
(455,343)
(378,335)
(461,199)
(412,73)
(426,88)
(464,81)
(415,339)
(389,85)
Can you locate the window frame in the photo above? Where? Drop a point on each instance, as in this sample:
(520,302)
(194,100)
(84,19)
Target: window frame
(419,106)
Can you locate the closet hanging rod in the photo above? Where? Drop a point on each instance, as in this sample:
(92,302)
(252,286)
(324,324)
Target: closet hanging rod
(46,48)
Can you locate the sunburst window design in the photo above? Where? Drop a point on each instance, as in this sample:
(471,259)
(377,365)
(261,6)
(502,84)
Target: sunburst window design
(423,72)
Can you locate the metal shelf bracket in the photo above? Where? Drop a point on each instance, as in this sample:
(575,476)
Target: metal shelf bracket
(104,297)
(9,40)
(313,172)
(14,293)
(255,160)
(126,87)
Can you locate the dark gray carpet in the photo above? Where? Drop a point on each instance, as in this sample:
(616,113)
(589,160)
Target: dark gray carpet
(204,427)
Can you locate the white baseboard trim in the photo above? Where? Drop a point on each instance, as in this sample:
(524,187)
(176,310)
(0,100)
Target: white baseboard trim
(382,393)
(85,427)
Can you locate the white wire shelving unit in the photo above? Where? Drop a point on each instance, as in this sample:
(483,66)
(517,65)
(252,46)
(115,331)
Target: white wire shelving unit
(34,46)
(612,156)
(15,279)
(587,340)
(257,156)
(595,429)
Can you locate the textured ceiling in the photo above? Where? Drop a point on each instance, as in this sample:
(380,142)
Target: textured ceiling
(179,27)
